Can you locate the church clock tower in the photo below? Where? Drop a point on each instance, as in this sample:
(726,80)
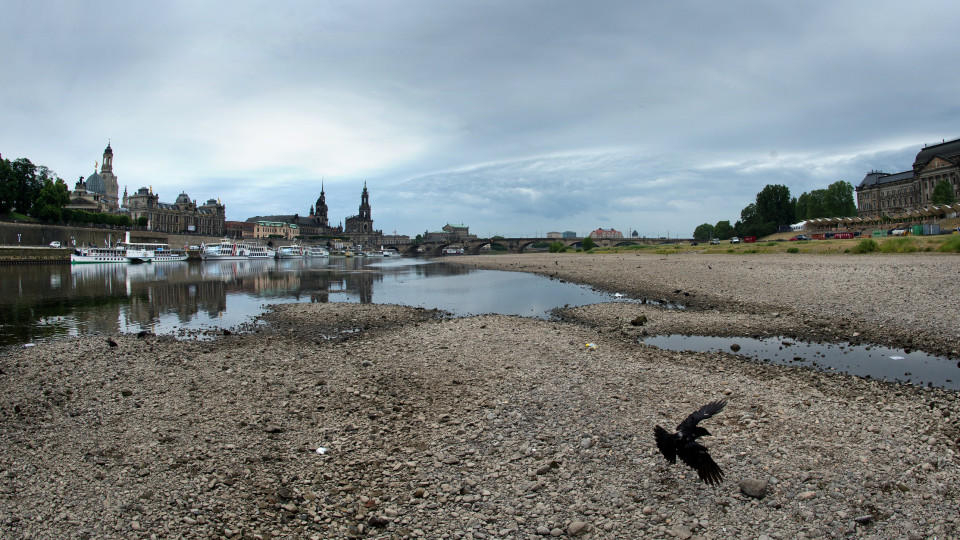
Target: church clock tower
(365,204)
(321,210)
(110,185)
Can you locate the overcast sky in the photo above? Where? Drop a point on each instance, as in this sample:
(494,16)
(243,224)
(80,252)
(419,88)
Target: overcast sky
(515,117)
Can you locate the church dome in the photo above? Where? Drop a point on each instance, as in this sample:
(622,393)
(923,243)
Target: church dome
(95,184)
(183,198)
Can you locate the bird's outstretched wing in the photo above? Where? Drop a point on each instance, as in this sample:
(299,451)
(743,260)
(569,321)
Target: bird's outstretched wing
(702,413)
(696,457)
(666,444)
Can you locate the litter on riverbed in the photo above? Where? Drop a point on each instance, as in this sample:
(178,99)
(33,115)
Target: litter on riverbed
(618,295)
(591,346)
(26,345)
(322,450)
(897,358)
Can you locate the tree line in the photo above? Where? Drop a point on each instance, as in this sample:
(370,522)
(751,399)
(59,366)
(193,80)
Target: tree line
(35,191)
(774,209)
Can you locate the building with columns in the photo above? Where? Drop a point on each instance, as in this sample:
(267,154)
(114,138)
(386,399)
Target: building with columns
(181,217)
(883,193)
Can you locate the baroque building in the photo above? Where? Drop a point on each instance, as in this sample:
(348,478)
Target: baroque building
(357,229)
(182,216)
(361,223)
(883,193)
(99,192)
(606,233)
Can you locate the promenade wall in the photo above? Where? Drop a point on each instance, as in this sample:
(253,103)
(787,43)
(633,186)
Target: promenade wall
(41,234)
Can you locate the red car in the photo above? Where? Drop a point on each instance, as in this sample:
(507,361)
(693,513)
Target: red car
(799,237)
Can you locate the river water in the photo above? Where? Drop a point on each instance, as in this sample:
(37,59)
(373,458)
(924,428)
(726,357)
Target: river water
(45,301)
(186,298)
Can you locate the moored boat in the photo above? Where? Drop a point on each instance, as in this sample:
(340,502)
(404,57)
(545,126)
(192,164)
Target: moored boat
(88,255)
(316,251)
(293,251)
(151,252)
(229,250)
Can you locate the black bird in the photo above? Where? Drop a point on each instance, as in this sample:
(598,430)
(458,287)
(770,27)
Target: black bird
(111,342)
(684,443)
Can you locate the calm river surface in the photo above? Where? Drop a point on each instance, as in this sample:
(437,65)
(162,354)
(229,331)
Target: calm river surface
(38,302)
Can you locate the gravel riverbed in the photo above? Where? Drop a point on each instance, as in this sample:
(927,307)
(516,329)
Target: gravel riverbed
(480,427)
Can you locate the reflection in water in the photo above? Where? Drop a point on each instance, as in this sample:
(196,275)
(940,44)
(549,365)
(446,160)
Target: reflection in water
(44,301)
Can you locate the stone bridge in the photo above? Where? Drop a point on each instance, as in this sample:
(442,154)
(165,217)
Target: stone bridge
(518,245)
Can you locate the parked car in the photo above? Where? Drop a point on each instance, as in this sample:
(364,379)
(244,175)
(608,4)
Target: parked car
(799,237)
(715,241)
(734,240)
(694,243)
(55,244)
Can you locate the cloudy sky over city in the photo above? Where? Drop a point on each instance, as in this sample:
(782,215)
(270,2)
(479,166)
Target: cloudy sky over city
(514,117)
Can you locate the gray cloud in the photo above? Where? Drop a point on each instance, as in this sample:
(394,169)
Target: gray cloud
(509,116)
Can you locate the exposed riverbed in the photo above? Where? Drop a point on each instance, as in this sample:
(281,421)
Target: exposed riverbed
(481,426)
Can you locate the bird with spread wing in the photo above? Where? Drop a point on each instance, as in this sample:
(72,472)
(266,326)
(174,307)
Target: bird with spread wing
(684,443)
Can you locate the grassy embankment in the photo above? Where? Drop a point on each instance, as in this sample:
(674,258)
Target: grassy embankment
(901,244)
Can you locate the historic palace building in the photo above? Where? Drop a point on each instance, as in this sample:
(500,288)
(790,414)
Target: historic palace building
(100,191)
(606,233)
(358,229)
(182,216)
(887,194)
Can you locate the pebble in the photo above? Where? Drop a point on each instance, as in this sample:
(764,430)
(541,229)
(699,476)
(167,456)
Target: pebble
(576,528)
(418,455)
(754,488)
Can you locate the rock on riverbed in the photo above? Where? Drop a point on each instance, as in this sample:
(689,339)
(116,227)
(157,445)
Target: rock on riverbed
(461,427)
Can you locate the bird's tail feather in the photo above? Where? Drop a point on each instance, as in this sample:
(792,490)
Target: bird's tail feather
(665,444)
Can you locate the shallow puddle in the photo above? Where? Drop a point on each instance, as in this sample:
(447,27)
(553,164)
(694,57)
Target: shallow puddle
(914,367)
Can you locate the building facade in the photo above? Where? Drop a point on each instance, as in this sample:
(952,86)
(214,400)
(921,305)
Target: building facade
(605,233)
(888,194)
(275,229)
(357,229)
(99,192)
(181,217)
(361,223)
(239,229)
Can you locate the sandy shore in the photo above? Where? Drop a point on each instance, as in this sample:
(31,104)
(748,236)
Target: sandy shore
(488,426)
(897,300)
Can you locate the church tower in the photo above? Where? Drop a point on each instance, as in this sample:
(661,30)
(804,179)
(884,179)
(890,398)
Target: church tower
(321,209)
(362,222)
(365,204)
(110,185)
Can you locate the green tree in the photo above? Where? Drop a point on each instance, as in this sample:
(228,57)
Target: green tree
(723,230)
(7,188)
(834,201)
(142,221)
(26,185)
(839,200)
(588,244)
(774,205)
(943,193)
(752,223)
(703,232)
(50,201)
(557,247)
